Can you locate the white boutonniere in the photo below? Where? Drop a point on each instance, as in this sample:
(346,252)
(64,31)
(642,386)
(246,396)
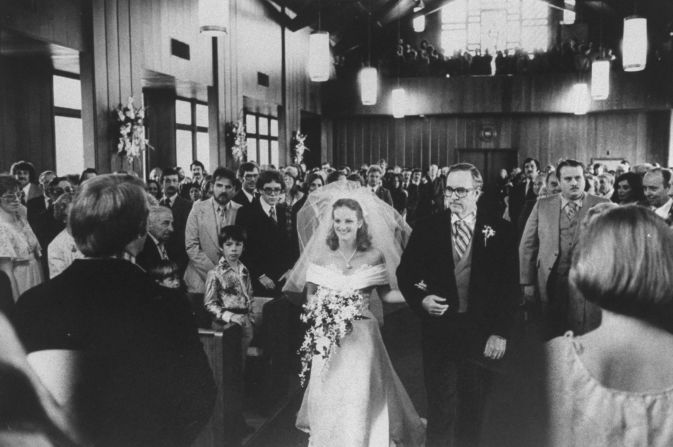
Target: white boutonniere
(421,285)
(488,233)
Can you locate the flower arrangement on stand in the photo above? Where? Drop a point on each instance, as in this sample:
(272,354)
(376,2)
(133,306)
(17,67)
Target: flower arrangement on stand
(298,147)
(237,140)
(329,314)
(130,123)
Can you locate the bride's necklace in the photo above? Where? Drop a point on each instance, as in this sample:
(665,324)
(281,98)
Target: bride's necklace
(348,260)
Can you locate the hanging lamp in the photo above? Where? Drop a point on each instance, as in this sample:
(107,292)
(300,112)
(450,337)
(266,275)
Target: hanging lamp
(319,59)
(213,16)
(634,45)
(418,22)
(600,72)
(369,76)
(398,97)
(580,97)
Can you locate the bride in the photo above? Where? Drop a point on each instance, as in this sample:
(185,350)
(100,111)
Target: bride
(353,245)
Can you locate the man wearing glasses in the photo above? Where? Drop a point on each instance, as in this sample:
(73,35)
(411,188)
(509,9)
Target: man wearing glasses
(267,252)
(248,173)
(458,273)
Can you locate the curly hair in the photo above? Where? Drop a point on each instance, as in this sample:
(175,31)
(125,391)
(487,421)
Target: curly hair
(363,240)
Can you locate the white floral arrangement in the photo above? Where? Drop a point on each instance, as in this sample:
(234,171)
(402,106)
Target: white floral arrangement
(329,314)
(131,130)
(299,147)
(238,140)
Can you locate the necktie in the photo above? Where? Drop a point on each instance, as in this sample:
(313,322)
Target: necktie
(222,216)
(571,210)
(166,202)
(162,251)
(272,214)
(462,234)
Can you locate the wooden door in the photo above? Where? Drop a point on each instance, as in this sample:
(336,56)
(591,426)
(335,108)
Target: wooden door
(490,161)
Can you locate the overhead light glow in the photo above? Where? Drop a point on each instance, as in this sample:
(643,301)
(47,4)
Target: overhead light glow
(319,60)
(634,45)
(213,16)
(399,103)
(369,85)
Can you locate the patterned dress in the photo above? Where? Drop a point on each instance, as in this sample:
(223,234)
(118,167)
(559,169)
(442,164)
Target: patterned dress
(18,243)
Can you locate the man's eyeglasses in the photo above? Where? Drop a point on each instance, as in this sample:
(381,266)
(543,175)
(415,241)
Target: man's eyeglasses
(250,176)
(460,192)
(272,191)
(11,196)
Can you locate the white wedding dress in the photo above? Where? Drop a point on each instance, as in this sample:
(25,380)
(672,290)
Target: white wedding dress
(357,399)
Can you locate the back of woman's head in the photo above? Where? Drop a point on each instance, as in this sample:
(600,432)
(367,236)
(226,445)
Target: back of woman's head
(109,212)
(624,263)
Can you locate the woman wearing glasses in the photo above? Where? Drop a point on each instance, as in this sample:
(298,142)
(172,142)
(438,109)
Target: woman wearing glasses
(19,249)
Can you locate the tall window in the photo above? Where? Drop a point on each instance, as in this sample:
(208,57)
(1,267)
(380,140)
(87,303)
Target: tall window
(262,133)
(191,132)
(495,25)
(68,133)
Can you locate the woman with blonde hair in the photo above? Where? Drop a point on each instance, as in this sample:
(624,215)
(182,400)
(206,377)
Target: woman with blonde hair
(613,386)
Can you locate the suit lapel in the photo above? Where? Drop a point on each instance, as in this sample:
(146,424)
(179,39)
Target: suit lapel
(555,216)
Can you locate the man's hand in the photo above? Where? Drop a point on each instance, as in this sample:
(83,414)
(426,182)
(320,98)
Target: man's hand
(495,347)
(434,305)
(267,282)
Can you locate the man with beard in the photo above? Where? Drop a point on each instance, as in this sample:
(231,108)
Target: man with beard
(204,223)
(545,253)
(180,208)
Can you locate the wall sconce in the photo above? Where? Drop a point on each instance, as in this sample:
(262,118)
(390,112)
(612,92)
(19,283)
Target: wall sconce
(399,103)
(634,45)
(600,79)
(580,95)
(213,16)
(319,60)
(369,85)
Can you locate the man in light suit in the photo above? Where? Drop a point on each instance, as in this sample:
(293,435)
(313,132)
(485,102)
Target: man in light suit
(205,221)
(458,273)
(545,254)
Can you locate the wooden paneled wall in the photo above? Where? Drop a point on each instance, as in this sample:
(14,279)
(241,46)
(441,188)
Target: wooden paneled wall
(417,142)
(26,105)
(544,93)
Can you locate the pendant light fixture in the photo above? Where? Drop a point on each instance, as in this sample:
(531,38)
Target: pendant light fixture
(634,45)
(418,22)
(369,76)
(600,72)
(580,97)
(398,98)
(319,60)
(213,16)
(600,79)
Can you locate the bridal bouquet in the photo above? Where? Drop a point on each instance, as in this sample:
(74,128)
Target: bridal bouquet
(329,314)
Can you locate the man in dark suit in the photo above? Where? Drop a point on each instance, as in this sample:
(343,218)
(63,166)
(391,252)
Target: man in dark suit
(248,173)
(374,174)
(267,253)
(44,224)
(268,257)
(38,204)
(524,191)
(180,208)
(160,229)
(458,273)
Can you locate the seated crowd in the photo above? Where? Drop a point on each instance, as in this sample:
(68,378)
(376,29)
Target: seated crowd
(214,250)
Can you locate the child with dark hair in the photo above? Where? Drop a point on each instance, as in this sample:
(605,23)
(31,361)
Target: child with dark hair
(228,297)
(166,274)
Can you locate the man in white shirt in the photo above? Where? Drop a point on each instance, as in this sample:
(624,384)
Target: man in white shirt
(180,207)
(657,186)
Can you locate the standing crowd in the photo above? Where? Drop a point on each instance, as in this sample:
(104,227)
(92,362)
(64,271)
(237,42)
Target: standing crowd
(94,271)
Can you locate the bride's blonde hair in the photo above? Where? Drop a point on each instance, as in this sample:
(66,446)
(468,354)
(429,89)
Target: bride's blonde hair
(363,240)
